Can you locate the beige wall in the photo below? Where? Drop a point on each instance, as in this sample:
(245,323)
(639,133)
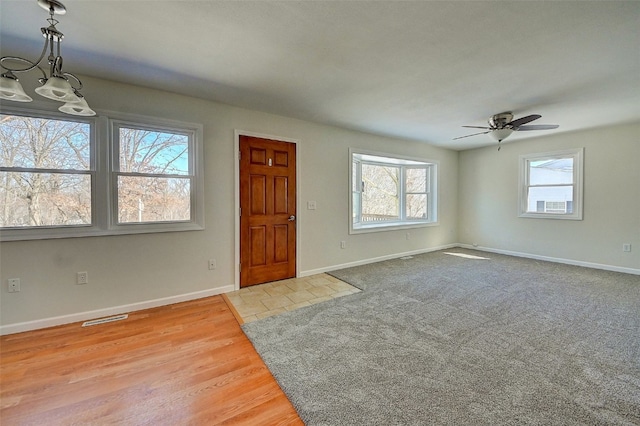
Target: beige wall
(488,200)
(130,271)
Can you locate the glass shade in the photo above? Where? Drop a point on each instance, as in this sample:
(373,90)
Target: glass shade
(58,89)
(77,108)
(500,134)
(11,89)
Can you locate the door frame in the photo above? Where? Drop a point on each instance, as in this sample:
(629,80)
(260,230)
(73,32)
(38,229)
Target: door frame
(236,196)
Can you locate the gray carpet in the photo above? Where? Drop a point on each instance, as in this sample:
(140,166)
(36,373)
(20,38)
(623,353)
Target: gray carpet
(445,340)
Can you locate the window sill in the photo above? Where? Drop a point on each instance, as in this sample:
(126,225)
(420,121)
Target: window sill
(90,231)
(550,216)
(389,226)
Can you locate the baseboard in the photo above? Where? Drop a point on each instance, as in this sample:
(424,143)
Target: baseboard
(373,260)
(554,259)
(115,310)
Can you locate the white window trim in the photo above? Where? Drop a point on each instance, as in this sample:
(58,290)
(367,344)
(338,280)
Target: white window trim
(390,226)
(102,201)
(578,187)
(196,164)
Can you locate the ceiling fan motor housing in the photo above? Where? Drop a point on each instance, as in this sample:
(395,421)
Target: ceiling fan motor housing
(499,121)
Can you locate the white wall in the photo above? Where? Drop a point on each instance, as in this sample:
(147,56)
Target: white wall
(488,203)
(129,271)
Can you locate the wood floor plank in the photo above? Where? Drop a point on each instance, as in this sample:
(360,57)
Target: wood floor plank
(188,363)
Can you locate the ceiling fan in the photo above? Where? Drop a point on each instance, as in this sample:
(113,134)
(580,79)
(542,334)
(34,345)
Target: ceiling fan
(502,125)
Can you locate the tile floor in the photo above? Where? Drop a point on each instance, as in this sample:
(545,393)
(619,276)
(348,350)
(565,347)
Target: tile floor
(264,300)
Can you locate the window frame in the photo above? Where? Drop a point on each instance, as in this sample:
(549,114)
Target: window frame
(196,175)
(103,192)
(359,156)
(577,155)
(57,231)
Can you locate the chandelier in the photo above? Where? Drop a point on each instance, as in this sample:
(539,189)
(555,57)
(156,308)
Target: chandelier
(56,85)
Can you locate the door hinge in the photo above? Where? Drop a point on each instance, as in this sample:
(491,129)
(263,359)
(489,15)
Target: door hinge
(239,155)
(240,211)
(240,267)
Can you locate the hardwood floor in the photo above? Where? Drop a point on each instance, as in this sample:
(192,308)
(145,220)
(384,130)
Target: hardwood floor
(188,363)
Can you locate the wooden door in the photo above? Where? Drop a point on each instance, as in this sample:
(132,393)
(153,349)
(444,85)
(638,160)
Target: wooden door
(267,210)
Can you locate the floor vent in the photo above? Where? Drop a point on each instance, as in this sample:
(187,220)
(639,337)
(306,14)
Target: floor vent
(406,258)
(105,320)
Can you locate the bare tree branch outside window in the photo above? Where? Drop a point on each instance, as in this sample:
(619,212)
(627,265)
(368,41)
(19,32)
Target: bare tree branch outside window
(64,177)
(45,167)
(389,192)
(154,180)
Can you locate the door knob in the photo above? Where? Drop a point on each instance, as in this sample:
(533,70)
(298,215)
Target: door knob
(292,218)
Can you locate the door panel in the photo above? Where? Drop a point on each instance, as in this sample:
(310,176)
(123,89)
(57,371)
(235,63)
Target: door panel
(268,209)
(280,199)
(281,159)
(258,156)
(258,191)
(280,238)
(258,245)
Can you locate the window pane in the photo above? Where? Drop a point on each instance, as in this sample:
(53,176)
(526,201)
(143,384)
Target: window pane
(44,143)
(153,199)
(356,207)
(354,177)
(416,206)
(555,171)
(380,199)
(544,199)
(146,151)
(416,180)
(44,199)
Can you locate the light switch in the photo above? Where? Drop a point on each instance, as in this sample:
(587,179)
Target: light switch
(311,205)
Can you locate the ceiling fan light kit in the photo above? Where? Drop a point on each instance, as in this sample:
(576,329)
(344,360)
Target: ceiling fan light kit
(56,85)
(500,134)
(502,125)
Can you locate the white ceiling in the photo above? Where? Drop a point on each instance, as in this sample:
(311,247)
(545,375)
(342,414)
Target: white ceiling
(417,70)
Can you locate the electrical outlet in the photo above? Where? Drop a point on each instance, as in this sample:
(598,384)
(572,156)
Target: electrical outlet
(212,264)
(408,236)
(626,247)
(13,285)
(311,205)
(82,278)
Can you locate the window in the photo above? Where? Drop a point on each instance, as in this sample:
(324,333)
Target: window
(57,178)
(391,192)
(551,185)
(46,172)
(153,176)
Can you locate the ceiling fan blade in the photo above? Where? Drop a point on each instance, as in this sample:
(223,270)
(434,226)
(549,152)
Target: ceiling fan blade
(466,136)
(524,120)
(538,127)
(477,127)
